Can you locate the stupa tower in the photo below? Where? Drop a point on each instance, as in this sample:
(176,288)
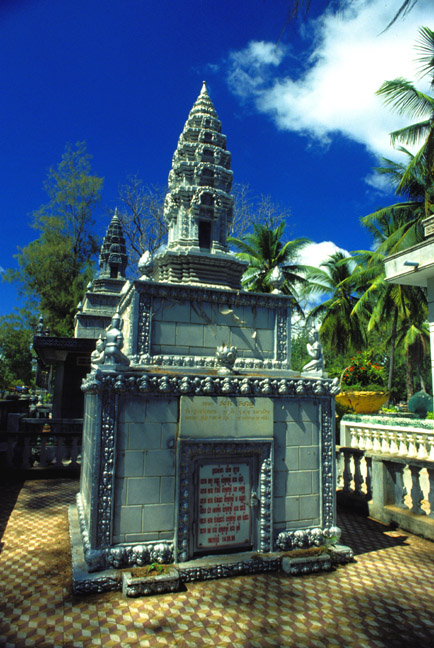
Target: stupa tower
(103,294)
(113,255)
(198,208)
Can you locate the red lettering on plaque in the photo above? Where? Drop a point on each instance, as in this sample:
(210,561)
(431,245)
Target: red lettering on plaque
(223,499)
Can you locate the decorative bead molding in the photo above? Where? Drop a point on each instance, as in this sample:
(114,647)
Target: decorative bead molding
(328,463)
(100,380)
(121,555)
(198,362)
(305,538)
(237,568)
(105,482)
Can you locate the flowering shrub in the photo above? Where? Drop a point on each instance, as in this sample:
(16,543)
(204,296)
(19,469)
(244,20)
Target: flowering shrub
(363,374)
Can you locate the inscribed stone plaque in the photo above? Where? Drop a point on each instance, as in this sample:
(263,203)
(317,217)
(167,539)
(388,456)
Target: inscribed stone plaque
(224,512)
(219,417)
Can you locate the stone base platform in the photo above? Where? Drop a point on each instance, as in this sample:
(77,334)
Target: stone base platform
(199,569)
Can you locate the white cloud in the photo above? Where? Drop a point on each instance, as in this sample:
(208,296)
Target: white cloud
(379,182)
(334,93)
(249,68)
(316,253)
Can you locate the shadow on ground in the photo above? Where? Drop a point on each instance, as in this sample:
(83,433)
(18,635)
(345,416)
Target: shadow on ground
(363,534)
(10,486)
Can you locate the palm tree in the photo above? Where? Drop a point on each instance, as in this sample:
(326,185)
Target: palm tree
(342,329)
(414,340)
(264,251)
(297,7)
(398,226)
(406,99)
(387,303)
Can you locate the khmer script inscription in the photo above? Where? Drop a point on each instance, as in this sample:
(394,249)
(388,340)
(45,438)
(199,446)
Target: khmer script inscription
(221,417)
(224,511)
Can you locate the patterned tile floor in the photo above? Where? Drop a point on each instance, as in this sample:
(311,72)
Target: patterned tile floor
(384,599)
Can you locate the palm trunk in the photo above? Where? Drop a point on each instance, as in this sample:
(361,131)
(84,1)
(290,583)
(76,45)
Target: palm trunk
(409,378)
(422,381)
(392,353)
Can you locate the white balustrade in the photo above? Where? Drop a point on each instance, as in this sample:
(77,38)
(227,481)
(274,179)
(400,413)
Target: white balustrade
(392,469)
(388,439)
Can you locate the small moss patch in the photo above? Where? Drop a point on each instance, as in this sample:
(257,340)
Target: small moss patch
(154,569)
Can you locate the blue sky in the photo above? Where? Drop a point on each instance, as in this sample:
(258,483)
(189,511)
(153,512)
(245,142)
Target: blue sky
(300,113)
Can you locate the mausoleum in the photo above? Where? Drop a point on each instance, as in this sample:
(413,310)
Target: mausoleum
(201,447)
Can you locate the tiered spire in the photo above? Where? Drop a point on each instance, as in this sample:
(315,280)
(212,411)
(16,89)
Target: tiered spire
(113,255)
(198,208)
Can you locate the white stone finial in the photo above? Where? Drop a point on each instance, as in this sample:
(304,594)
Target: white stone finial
(204,88)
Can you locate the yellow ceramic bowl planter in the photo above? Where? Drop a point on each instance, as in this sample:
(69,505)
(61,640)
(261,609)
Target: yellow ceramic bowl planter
(363,402)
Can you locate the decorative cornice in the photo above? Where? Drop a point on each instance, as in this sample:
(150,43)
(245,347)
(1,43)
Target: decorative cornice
(176,385)
(206,294)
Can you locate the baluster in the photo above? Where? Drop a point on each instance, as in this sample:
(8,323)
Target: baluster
(390,441)
(400,489)
(416,491)
(74,451)
(353,433)
(412,450)
(368,461)
(393,443)
(347,471)
(27,452)
(340,462)
(384,442)
(43,452)
(362,438)
(368,439)
(430,442)
(421,446)
(59,451)
(358,477)
(376,441)
(431,492)
(402,440)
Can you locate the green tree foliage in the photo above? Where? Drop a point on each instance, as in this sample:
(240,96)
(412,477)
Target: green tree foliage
(406,99)
(16,336)
(398,226)
(342,330)
(54,269)
(264,251)
(389,305)
(299,354)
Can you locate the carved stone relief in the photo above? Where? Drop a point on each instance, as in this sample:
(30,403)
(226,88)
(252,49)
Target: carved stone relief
(144,325)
